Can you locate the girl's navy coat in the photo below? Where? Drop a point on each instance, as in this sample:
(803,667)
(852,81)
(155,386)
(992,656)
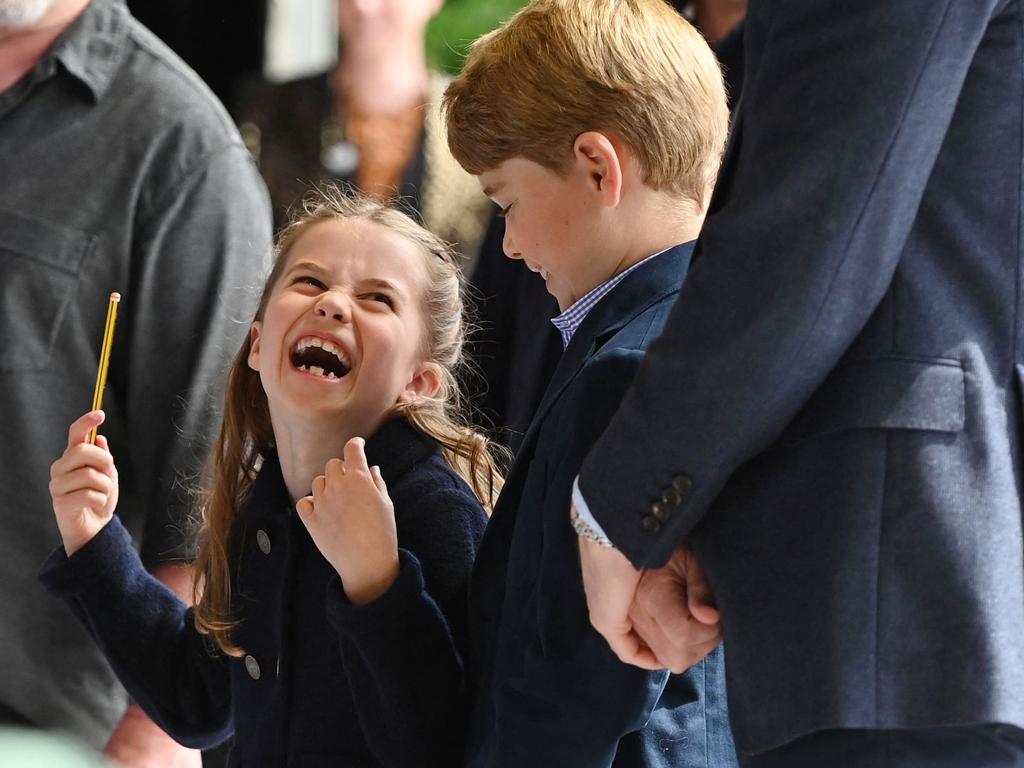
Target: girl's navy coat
(322,682)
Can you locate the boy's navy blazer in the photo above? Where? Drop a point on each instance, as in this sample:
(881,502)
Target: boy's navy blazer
(548,690)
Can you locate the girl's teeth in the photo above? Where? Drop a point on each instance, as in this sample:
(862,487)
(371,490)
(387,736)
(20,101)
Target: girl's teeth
(317,370)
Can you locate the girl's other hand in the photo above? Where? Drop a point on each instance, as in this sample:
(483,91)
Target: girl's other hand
(83,484)
(352,522)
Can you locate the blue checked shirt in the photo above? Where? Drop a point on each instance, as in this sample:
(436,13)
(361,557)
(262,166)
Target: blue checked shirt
(573,317)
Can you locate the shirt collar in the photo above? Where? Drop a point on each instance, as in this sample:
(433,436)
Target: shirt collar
(93,45)
(570,320)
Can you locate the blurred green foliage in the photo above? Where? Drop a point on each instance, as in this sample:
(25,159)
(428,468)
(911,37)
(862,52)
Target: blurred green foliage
(459,23)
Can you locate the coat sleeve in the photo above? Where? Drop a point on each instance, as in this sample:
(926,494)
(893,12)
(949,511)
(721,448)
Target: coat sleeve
(148,636)
(403,653)
(841,123)
(574,700)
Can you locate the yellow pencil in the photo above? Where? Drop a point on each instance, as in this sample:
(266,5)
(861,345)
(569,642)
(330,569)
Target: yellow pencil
(101,374)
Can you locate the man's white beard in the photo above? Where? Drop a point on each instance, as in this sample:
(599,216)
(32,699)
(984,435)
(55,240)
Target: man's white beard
(15,14)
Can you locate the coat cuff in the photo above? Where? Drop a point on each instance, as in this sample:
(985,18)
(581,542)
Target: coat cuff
(108,552)
(381,613)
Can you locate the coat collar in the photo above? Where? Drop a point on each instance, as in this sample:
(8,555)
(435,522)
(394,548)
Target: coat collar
(641,289)
(395,448)
(658,278)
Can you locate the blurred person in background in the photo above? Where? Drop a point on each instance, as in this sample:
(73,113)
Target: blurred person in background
(372,122)
(120,171)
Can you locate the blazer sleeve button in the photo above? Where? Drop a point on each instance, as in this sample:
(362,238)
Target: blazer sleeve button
(659,510)
(672,496)
(650,523)
(252,667)
(683,484)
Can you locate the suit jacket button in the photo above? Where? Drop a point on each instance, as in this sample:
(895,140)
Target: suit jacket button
(659,510)
(263,541)
(252,667)
(650,523)
(672,496)
(683,484)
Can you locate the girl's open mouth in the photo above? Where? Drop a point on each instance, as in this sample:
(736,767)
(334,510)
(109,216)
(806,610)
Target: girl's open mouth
(320,358)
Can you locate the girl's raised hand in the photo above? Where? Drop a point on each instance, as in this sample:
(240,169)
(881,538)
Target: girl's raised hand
(352,522)
(83,484)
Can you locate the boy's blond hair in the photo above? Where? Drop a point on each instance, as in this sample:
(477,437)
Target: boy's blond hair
(559,68)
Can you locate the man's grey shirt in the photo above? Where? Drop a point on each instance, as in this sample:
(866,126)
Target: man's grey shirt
(119,171)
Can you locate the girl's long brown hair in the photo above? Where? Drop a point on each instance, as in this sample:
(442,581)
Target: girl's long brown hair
(246,431)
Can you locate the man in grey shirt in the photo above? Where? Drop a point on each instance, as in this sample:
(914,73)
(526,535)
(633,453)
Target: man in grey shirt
(118,172)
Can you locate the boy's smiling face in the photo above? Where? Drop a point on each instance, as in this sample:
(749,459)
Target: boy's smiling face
(552,223)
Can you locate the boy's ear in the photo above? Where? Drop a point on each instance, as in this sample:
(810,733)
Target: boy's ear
(597,157)
(254,345)
(425,383)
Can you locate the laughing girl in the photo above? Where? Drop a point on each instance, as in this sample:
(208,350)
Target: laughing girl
(343,506)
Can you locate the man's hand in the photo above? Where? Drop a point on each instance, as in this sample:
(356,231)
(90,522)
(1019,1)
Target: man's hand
(674,612)
(610,581)
(138,742)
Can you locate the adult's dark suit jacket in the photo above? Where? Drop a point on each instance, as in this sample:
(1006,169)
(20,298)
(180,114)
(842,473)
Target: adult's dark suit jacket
(833,414)
(548,691)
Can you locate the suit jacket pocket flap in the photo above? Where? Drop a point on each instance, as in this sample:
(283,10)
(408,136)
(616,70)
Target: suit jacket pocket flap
(884,393)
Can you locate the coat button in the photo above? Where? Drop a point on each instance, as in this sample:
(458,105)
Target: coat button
(263,541)
(683,484)
(252,667)
(650,523)
(672,496)
(659,510)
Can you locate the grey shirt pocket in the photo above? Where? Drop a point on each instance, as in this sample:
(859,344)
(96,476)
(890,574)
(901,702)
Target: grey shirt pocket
(40,263)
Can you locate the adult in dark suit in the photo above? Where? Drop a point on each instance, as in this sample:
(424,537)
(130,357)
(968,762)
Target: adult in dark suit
(832,418)
(554,698)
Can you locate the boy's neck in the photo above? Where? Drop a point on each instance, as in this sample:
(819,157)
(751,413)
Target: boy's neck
(656,222)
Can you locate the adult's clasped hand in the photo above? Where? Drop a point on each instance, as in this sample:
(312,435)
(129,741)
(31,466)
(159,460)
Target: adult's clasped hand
(662,618)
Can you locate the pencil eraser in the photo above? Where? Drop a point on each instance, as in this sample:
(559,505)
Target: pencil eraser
(115,296)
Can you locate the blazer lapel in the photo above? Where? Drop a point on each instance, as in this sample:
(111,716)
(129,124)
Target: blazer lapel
(646,285)
(643,287)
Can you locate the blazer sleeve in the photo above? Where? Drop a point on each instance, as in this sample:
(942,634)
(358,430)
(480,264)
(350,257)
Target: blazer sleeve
(147,635)
(574,700)
(838,133)
(403,653)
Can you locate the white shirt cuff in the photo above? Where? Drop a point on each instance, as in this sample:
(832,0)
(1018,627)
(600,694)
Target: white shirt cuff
(583,510)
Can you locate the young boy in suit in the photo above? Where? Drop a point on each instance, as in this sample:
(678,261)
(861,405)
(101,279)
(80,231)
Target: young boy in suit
(598,129)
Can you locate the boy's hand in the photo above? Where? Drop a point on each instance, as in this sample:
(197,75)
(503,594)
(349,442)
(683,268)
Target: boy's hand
(83,485)
(674,612)
(352,522)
